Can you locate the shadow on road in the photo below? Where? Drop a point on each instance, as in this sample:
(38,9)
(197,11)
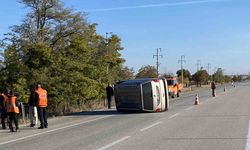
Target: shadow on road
(101,112)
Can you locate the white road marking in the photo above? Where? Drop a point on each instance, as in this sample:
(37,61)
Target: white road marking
(115,142)
(248,137)
(189,108)
(209,99)
(53,130)
(173,115)
(150,126)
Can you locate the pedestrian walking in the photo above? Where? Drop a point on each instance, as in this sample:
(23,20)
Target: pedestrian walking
(213,87)
(110,93)
(3,108)
(13,111)
(33,109)
(42,103)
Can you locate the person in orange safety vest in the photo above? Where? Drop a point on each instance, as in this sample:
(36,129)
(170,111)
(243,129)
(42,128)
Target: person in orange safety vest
(13,111)
(42,102)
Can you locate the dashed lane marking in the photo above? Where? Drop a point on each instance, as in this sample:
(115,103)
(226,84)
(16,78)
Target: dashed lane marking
(148,127)
(189,108)
(174,115)
(113,143)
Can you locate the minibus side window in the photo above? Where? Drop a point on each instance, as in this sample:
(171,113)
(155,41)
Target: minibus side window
(158,95)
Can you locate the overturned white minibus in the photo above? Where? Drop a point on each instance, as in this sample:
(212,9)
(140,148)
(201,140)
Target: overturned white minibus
(147,94)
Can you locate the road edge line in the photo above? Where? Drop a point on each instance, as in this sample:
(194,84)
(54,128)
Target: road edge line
(53,130)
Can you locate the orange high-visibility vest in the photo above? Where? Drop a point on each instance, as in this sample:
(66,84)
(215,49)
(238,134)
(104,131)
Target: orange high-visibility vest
(11,105)
(43,101)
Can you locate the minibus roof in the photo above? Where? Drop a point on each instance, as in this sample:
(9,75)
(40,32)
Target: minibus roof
(136,81)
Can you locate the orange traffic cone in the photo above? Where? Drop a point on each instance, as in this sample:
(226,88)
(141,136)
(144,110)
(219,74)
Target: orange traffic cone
(196,102)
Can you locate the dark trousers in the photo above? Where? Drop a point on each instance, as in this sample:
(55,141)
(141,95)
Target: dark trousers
(3,119)
(109,101)
(213,92)
(13,117)
(42,114)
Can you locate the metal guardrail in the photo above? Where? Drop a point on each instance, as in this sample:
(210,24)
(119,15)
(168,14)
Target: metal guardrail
(24,113)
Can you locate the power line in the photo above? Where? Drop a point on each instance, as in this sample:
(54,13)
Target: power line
(157,60)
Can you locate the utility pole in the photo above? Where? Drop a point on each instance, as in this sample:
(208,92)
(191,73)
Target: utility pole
(198,64)
(181,61)
(215,71)
(107,42)
(208,68)
(157,60)
(107,53)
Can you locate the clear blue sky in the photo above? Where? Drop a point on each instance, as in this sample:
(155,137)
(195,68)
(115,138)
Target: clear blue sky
(212,31)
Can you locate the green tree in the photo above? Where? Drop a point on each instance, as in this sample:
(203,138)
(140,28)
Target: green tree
(218,76)
(186,76)
(237,78)
(147,72)
(56,46)
(201,77)
(227,78)
(13,69)
(125,73)
(167,75)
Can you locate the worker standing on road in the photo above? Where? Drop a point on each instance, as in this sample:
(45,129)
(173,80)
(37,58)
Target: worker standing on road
(233,84)
(42,102)
(33,109)
(3,108)
(110,93)
(13,111)
(213,87)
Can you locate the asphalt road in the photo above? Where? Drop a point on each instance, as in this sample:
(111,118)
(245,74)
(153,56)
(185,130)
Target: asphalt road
(220,123)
